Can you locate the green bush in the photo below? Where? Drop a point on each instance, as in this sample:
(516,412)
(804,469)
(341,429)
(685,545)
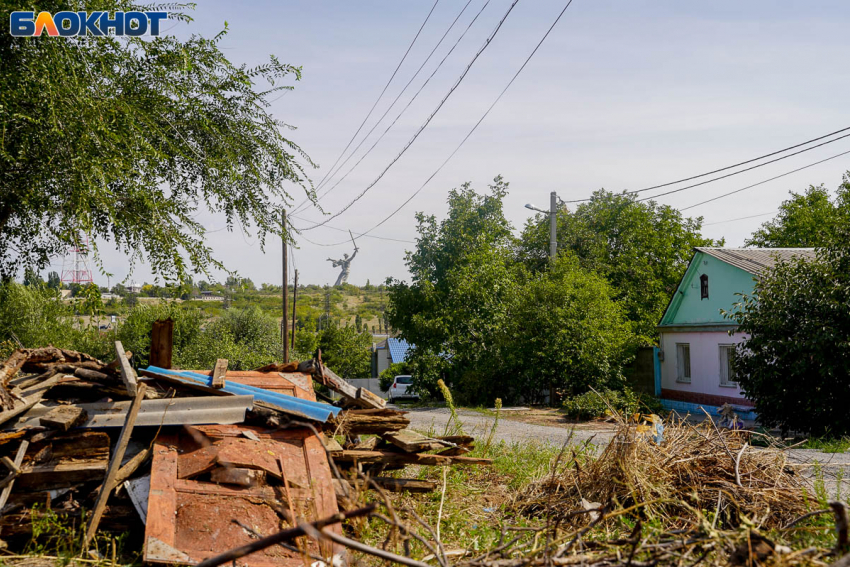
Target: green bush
(247,338)
(135,332)
(591,405)
(37,317)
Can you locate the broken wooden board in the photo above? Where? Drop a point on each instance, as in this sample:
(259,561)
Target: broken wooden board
(360,421)
(162,343)
(387,457)
(189,520)
(367,399)
(128,375)
(30,397)
(238,476)
(219,373)
(352,394)
(64,418)
(405,484)
(64,460)
(412,442)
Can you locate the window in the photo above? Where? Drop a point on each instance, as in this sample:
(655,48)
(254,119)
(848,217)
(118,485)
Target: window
(703,286)
(727,373)
(683,362)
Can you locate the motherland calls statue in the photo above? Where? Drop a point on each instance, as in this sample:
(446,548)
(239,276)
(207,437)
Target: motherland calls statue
(345,262)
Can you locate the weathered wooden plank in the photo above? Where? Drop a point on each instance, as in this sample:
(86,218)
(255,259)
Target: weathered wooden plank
(388,457)
(458,439)
(89,374)
(8,370)
(412,442)
(128,375)
(117,456)
(30,398)
(456,451)
(162,344)
(367,399)
(64,418)
(63,473)
(402,484)
(19,459)
(238,476)
(357,422)
(219,372)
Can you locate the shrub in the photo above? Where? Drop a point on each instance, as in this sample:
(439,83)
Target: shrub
(793,365)
(247,338)
(135,332)
(591,405)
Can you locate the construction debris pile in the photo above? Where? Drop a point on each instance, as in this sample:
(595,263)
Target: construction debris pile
(692,467)
(194,464)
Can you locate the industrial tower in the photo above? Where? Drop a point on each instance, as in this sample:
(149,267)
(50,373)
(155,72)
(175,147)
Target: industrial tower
(75,267)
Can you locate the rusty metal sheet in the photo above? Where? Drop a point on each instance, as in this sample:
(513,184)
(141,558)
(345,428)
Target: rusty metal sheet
(290,383)
(190,519)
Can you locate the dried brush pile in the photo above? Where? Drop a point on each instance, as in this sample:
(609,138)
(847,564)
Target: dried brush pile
(695,469)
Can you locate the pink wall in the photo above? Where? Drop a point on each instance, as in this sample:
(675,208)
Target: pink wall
(705,362)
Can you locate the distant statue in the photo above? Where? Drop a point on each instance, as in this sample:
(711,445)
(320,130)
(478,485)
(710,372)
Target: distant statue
(345,262)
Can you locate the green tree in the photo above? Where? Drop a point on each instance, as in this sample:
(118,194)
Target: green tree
(793,365)
(31,277)
(135,332)
(641,247)
(345,351)
(124,138)
(805,220)
(53,281)
(490,326)
(247,338)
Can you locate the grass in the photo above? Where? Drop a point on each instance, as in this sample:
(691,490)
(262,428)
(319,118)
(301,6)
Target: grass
(828,444)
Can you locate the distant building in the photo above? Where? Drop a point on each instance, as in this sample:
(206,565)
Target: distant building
(210,296)
(133,287)
(389,351)
(697,344)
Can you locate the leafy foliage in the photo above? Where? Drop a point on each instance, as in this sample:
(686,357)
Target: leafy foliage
(346,351)
(123,139)
(247,338)
(135,332)
(35,316)
(592,405)
(805,220)
(641,248)
(794,366)
(491,328)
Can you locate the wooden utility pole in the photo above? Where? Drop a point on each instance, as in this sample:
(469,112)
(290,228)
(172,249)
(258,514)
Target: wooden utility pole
(284,291)
(294,300)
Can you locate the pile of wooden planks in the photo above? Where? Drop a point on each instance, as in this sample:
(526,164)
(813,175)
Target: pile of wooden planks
(152,452)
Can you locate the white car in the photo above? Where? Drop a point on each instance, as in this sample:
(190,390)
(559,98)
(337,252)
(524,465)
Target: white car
(399,388)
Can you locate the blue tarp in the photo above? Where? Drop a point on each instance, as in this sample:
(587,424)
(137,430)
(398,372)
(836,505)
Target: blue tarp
(316,411)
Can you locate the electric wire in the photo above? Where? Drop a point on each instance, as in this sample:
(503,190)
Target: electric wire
(712,180)
(740,218)
(356,236)
(765,181)
(463,141)
(733,166)
(305,202)
(425,125)
(409,47)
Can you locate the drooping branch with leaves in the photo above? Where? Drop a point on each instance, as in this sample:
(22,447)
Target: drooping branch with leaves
(126,140)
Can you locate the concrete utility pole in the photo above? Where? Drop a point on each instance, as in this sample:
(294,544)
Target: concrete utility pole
(284,291)
(553,226)
(553,223)
(294,300)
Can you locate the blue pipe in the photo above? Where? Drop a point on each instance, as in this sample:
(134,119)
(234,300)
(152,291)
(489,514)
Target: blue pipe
(316,411)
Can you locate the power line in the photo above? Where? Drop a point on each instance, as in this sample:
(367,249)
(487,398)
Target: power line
(348,240)
(737,172)
(462,142)
(765,181)
(425,125)
(434,72)
(741,218)
(409,47)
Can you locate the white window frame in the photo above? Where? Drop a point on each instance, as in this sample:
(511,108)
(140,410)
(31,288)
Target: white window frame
(683,363)
(726,381)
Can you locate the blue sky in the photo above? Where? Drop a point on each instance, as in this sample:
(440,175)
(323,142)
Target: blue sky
(622,95)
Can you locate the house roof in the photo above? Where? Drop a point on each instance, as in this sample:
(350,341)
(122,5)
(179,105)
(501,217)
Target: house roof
(398,349)
(756,260)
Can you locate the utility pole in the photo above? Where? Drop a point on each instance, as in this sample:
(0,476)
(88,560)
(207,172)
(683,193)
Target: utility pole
(284,291)
(294,300)
(553,226)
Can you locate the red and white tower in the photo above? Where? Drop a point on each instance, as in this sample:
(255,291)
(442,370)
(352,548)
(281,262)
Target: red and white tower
(76,267)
